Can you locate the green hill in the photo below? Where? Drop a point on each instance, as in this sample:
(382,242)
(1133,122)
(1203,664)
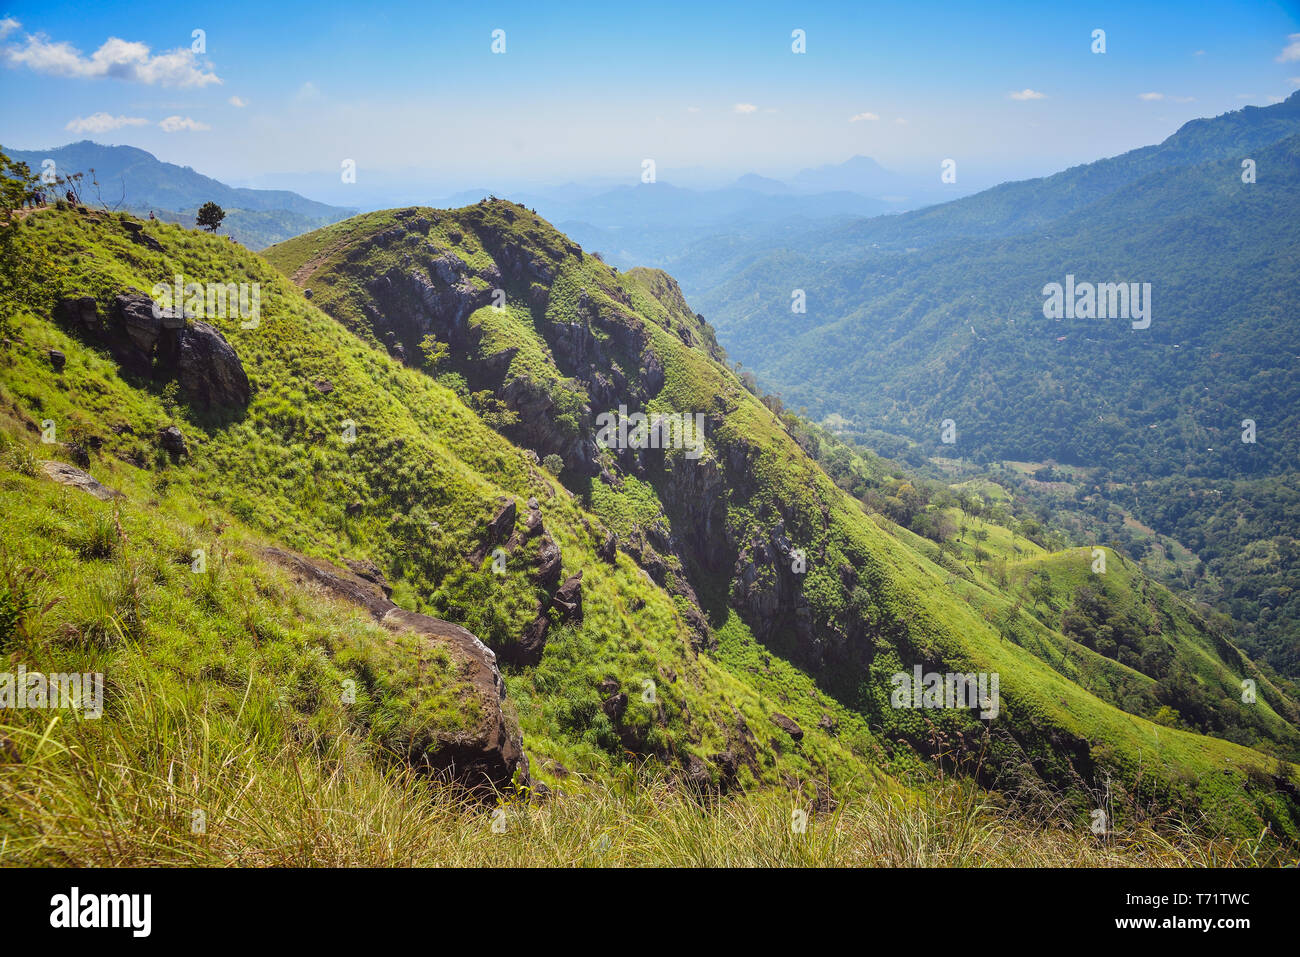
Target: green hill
(399,420)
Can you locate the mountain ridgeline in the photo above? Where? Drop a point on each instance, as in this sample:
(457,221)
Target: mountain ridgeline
(125,177)
(1189,425)
(406,487)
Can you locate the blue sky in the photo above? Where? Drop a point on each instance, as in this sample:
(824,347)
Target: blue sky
(707,90)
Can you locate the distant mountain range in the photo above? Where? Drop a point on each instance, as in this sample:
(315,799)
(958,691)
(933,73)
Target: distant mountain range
(859,174)
(938,315)
(133,179)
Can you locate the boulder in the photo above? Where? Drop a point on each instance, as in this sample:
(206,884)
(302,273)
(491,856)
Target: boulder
(486,756)
(498,530)
(569,598)
(533,521)
(608,550)
(137,331)
(138,235)
(503,523)
(172,440)
(149,341)
(57,360)
(527,651)
(548,563)
(787,725)
(208,370)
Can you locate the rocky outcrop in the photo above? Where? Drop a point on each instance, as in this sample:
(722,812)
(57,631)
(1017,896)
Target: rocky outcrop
(161,343)
(172,440)
(487,755)
(561,602)
(787,725)
(608,549)
(549,563)
(539,426)
(614,707)
(768,592)
(140,237)
(411,302)
(66,474)
(365,569)
(341,584)
(80,313)
(568,599)
(498,531)
(208,370)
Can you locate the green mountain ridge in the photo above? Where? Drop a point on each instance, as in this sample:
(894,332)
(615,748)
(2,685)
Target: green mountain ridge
(695,644)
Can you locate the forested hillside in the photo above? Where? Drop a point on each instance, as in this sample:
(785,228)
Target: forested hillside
(1189,425)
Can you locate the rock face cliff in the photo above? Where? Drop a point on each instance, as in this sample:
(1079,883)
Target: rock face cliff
(488,755)
(162,344)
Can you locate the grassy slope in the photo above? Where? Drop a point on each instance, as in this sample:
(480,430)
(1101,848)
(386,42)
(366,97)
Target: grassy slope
(944,619)
(428,475)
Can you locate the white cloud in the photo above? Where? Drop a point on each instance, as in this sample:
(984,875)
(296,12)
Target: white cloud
(1291,51)
(859,117)
(692,109)
(900,121)
(1245,96)
(1199,53)
(7,26)
(120,59)
(745,108)
(308,91)
(1151,96)
(237,101)
(102,122)
(1161,96)
(174,124)
(1295,81)
(1027,94)
(1276,99)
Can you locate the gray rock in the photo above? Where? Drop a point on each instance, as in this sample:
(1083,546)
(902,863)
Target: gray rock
(208,370)
(66,474)
(608,549)
(485,757)
(568,599)
(787,725)
(138,235)
(172,440)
